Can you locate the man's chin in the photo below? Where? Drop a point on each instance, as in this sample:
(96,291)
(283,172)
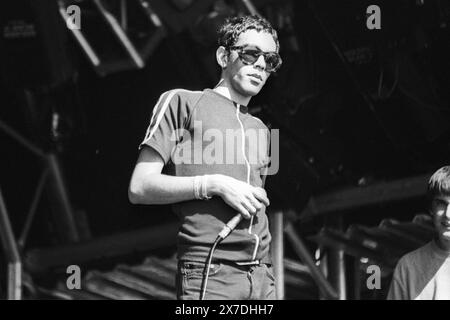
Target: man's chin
(250,92)
(444,236)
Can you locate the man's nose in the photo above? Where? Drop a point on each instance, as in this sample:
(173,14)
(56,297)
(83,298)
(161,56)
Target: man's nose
(260,63)
(447,212)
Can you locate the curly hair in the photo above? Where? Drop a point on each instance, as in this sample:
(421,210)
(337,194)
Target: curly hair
(232,28)
(439,182)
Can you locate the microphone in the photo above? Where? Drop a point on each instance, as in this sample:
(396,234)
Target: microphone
(230,226)
(235,221)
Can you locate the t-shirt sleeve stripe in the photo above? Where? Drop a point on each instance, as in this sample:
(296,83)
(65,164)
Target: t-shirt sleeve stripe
(158,114)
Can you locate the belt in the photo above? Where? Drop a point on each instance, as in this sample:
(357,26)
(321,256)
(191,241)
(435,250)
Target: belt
(242,263)
(248,263)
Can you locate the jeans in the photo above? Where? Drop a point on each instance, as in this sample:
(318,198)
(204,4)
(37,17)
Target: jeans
(226,281)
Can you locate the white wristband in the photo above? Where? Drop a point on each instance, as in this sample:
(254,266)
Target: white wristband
(204,193)
(200,187)
(197,187)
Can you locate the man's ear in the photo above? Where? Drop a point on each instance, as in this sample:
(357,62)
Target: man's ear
(222,57)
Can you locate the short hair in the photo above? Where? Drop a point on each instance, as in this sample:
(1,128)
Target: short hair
(232,28)
(439,183)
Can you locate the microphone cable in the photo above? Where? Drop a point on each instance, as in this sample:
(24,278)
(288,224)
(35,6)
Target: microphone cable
(226,230)
(207,267)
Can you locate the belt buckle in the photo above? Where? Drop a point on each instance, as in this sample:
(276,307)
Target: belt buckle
(248,263)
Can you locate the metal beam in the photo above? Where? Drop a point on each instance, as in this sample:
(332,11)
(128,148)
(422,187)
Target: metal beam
(336,264)
(303,253)
(277,249)
(63,211)
(10,247)
(144,240)
(350,198)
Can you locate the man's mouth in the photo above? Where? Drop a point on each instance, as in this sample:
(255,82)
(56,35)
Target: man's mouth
(446,224)
(256,76)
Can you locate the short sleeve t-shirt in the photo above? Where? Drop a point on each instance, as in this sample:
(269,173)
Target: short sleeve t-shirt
(203,132)
(423,274)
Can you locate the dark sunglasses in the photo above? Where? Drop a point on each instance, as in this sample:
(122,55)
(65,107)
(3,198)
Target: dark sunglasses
(249,55)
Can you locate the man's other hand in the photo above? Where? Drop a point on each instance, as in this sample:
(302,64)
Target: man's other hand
(243,197)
